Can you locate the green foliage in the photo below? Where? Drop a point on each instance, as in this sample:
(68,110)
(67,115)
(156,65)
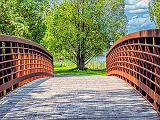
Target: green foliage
(72,29)
(71,70)
(66,67)
(96,65)
(22,18)
(154,10)
(80,30)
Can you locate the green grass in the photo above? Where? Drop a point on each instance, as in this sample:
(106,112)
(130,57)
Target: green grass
(71,70)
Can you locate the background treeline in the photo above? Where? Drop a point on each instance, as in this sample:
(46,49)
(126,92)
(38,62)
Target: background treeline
(24,18)
(154,10)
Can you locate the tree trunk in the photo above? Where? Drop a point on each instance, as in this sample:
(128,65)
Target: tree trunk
(80,62)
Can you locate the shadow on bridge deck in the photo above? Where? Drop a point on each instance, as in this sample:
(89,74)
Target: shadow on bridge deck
(76,97)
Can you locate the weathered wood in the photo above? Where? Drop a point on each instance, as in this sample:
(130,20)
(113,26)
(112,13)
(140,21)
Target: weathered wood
(76,97)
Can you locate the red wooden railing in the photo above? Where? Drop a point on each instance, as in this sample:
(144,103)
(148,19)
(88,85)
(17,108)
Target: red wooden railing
(22,61)
(135,58)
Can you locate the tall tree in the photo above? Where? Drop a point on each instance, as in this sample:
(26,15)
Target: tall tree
(154,10)
(82,29)
(23,18)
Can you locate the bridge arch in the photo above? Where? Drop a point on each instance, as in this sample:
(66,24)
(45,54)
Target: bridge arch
(135,58)
(22,61)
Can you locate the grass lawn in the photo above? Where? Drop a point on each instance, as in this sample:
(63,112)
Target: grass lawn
(71,70)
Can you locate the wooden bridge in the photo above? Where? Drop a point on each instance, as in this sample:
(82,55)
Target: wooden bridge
(131,91)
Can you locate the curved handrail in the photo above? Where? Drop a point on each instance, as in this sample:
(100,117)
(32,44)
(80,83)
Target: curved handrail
(135,58)
(22,61)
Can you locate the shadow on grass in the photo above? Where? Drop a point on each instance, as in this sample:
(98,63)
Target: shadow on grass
(75,71)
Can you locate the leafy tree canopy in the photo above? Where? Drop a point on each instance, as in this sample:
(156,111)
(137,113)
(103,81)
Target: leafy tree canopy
(82,29)
(154,10)
(23,18)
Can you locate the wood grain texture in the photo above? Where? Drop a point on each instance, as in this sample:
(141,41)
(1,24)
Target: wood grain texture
(76,97)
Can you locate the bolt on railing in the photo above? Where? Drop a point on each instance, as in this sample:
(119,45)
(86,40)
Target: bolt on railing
(135,58)
(22,61)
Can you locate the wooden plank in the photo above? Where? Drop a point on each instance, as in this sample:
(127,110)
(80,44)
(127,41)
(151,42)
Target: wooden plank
(76,97)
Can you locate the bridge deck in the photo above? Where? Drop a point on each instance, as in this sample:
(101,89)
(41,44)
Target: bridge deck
(76,97)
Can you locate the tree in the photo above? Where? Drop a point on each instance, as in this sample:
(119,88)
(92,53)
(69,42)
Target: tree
(80,29)
(9,19)
(23,18)
(154,10)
